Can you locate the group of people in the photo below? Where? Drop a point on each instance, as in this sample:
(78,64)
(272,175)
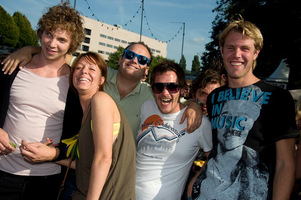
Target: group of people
(127,139)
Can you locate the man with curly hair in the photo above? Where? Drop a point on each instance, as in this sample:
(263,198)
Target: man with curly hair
(33,102)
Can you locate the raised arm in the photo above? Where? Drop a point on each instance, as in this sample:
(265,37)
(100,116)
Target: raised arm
(23,56)
(194,116)
(20,57)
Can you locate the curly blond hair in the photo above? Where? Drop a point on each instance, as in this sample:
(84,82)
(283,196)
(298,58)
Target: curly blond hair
(66,18)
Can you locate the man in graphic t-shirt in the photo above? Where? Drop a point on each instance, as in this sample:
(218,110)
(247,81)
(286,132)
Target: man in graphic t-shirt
(253,133)
(165,151)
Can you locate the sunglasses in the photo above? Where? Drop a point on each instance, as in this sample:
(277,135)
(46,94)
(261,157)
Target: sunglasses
(142,60)
(171,87)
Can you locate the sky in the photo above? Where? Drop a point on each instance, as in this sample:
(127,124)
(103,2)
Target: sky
(162,19)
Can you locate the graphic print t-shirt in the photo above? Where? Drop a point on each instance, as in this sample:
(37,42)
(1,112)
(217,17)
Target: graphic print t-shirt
(165,152)
(246,124)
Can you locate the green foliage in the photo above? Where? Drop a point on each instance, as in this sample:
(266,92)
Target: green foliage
(183,62)
(27,35)
(9,32)
(114,58)
(195,67)
(155,61)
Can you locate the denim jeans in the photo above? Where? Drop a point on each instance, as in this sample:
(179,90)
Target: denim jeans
(70,186)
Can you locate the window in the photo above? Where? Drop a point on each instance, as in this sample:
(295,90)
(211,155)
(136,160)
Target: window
(109,45)
(157,51)
(110,38)
(123,41)
(117,40)
(108,53)
(102,35)
(88,31)
(85,48)
(87,40)
(102,44)
(100,51)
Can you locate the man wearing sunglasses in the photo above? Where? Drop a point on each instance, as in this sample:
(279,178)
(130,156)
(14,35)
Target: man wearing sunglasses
(123,85)
(127,89)
(165,151)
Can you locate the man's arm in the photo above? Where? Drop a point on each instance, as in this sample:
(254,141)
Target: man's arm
(21,56)
(194,116)
(285,169)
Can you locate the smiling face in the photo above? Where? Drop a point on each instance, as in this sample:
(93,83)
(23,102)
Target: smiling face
(87,77)
(239,54)
(202,93)
(55,45)
(167,102)
(131,68)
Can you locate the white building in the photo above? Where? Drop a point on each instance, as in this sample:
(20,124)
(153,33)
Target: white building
(105,39)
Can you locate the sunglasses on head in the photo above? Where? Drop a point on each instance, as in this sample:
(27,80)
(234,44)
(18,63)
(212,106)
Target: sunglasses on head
(142,60)
(171,87)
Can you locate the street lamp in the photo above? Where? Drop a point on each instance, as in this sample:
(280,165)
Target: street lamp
(141,19)
(183,35)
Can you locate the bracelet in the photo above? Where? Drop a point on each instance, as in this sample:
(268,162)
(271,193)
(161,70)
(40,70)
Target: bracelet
(197,101)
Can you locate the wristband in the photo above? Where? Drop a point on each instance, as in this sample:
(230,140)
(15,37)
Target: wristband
(198,102)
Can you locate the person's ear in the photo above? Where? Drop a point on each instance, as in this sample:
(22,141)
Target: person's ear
(256,53)
(221,50)
(102,80)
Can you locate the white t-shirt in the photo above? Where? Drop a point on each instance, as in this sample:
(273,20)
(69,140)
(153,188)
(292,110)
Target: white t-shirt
(36,111)
(165,152)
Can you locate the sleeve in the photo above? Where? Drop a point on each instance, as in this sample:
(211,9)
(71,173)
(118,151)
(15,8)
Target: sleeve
(282,111)
(6,82)
(205,138)
(72,120)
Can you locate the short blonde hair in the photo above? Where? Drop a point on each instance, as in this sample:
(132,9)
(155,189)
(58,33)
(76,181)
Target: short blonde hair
(247,29)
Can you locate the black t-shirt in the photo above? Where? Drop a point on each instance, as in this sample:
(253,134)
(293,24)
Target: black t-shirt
(246,124)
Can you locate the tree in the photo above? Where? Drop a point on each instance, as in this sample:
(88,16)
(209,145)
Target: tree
(155,61)
(114,58)
(27,34)
(196,65)
(9,32)
(183,63)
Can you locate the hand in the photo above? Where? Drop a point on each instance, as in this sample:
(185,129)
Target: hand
(37,152)
(194,117)
(20,57)
(5,146)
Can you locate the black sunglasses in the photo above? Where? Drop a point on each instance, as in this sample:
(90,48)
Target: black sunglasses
(142,60)
(171,87)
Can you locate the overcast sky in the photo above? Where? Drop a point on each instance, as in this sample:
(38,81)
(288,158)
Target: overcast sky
(157,21)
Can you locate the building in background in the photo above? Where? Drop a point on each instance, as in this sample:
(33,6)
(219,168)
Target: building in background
(105,39)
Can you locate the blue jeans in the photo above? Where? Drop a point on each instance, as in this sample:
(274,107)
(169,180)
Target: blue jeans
(70,186)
